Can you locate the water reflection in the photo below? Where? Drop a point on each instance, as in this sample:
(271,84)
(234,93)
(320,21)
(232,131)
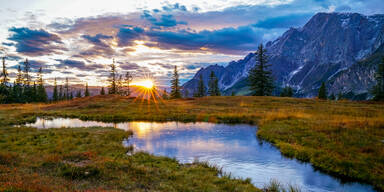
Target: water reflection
(233,147)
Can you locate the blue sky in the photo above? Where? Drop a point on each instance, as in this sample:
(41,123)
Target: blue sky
(78,39)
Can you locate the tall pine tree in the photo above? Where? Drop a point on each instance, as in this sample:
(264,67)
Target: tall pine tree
(4,91)
(78,94)
(28,91)
(41,94)
(322,92)
(128,80)
(378,89)
(200,92)
(213,85)
(4,74)
(260,77)
(66,87)
(61,93)
(175,92)
(112,79)
(165,95)
(18,86)
(287,92)
(102,91)
(55,96)
(86,93)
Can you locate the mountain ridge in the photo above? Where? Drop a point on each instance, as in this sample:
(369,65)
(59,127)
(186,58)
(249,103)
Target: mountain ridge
(326,46)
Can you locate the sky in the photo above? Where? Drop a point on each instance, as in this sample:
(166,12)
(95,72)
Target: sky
(79,39)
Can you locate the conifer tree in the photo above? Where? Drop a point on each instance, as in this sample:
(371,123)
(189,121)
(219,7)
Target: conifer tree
(128,80)
(339,96)
(78,93)
(27,76)
(260,77)
(213,86)
(71,96)
(322,92)
(378,89)
(4,74)
(28,91)
(66,87)
(175,92)
(86,93)
(200,92)
(4,90)
(165,94)
(61,93)
(332,97)
(55,96)
(18,86)
(33,97)
(41,94)
(112,79)
(217,90)
(119,83)
(287,92)
(186,93)
(102,91)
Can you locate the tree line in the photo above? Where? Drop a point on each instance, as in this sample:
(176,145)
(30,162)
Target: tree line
(213,87)
(24,89)
(27,89)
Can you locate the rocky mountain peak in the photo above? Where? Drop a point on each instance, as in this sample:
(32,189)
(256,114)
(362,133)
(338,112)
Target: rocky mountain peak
(327,45)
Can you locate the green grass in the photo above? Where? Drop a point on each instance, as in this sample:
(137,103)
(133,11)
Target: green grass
(342,138)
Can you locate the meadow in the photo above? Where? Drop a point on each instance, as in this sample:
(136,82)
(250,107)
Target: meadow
(342,138)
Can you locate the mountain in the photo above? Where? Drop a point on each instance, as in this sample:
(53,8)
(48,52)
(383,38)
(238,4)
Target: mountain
(336,48)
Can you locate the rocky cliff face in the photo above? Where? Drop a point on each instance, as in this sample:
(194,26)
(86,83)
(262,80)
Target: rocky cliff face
(326,49)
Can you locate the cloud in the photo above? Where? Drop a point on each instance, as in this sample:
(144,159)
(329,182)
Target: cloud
(34,65)
(100,46)
(163,20)
(286,21)
(35,42)
(174,7)
(70,63)
(97,39)
(128,34)
(128,66)
(228,40)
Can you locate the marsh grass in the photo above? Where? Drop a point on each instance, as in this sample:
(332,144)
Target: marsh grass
(94,159)
(342,138)
(276,186)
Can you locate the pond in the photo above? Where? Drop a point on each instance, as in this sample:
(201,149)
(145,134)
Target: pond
(235,148)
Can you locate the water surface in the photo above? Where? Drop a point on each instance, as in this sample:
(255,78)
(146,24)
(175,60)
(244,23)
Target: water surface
(235,148)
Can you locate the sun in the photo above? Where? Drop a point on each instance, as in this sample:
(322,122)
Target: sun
(147,83)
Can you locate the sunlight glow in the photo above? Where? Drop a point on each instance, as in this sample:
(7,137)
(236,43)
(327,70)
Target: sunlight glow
(147,83)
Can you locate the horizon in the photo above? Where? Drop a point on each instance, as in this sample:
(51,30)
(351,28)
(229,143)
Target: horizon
(79,40)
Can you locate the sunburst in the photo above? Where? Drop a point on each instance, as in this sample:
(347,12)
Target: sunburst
(146,90)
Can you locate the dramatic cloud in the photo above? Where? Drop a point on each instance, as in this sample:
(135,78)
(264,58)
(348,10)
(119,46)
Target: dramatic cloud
(35,42)
(100,46)
(128,34)
(69,63)
(128,66)
(160,19)
(243,38)
(285,21)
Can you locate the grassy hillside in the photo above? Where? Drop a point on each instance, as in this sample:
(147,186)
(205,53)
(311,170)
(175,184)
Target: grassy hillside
(342,138)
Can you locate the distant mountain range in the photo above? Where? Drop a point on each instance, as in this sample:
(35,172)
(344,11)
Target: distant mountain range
(340,49)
